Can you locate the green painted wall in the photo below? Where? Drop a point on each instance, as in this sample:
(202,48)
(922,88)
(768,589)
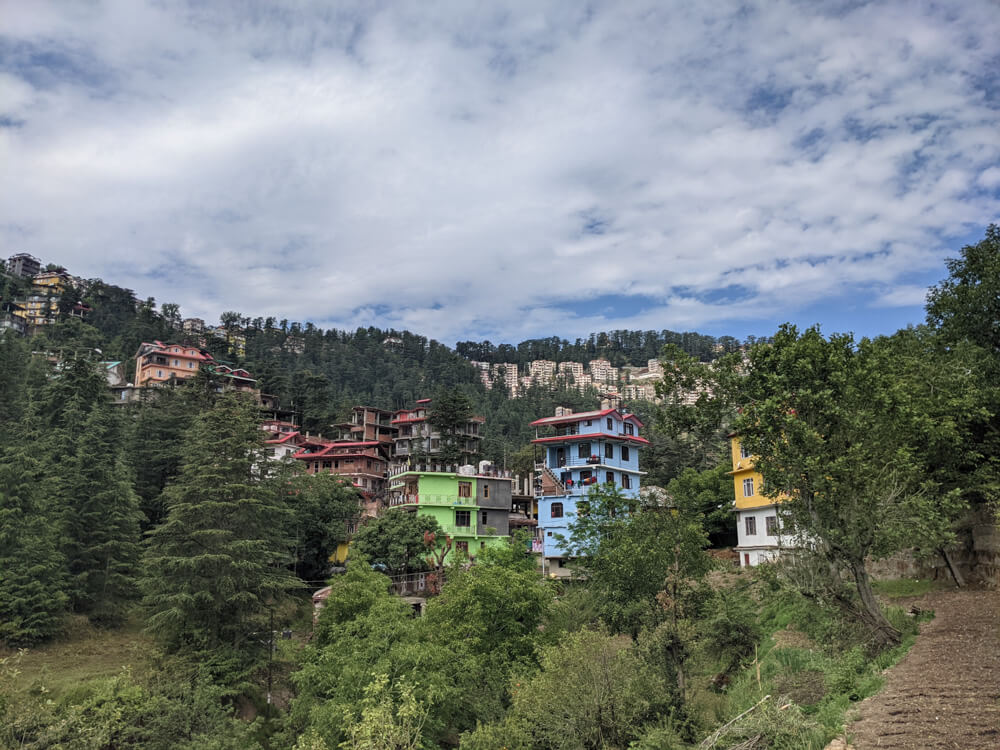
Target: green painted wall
(439,499)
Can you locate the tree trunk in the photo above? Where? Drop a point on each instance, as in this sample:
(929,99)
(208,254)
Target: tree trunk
(955,572)
(883,632)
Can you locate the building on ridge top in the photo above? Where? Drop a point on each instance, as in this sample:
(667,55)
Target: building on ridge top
(23,265)
(586,448)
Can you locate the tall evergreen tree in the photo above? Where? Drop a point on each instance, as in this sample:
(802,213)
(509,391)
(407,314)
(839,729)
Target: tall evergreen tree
(100,520)
(32,600)
(215,565)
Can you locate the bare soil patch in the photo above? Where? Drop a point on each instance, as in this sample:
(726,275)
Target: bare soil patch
(946,692)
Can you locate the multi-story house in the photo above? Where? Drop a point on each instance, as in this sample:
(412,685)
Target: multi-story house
(23,265)
(156,362)
(581,451)
(758,518)
(602,371)
(472,507)
(283,438)
(41,309)
(542,370)
(56,282)
(573,369)
(194,326)
(417,438)
(363,462)
(368,423)
(12,317)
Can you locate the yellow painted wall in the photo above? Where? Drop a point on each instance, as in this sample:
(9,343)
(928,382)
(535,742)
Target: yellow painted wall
(743,468)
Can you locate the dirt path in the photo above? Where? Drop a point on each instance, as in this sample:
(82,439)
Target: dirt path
(946,692)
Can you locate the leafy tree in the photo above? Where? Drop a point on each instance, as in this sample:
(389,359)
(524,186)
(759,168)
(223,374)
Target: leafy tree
(964,310)
(216,564)
(32,570)
(633,554)
(395,540)
(387,722)
(493,610)
(322,506)
(837,432)
(707,493)
(593,692)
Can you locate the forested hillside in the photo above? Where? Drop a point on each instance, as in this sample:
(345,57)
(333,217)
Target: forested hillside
(167,523)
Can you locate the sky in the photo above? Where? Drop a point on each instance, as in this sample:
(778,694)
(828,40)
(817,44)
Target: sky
(505,170)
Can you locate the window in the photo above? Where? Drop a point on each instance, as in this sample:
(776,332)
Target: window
(626,481)
(609,477)
(369,463)
(557,511)
(159,373)
(771,525)
(590,422)
(486,490)
(463,518)
(611,423)
(609,450)
(629,428)
(190,365)
(584,450)
(462,548)
(584,476)
(751,525)
(465,489)
(748,487)
(625,453)
(483,517)
(744,453)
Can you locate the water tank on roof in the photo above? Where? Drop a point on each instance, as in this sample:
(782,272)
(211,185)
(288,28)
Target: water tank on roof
(467,471)
(485,467)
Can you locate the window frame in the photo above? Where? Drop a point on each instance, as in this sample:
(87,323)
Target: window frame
(748,485)
(464,515)
(750,525)
(465,489)
(771,527)
(556,511)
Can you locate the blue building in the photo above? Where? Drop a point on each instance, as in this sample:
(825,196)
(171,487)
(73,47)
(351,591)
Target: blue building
(579,451)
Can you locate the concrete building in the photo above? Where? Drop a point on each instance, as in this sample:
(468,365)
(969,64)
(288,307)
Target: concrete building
(368,423)
(758,518)
(580,451)
(23,265)
(417,439)
(471,505)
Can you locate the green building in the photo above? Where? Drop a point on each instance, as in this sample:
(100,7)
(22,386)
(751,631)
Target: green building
(473,509)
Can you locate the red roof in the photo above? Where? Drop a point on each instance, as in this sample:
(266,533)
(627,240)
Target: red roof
(327,447)
(591,436)
(580,416)
(285,437)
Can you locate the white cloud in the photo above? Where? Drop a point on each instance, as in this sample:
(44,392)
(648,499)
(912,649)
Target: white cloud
(462,170)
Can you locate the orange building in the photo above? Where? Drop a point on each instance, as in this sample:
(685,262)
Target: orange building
(157,363)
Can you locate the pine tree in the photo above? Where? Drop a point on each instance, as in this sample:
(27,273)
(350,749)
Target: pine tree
(100,521)
(32,600)
(215,565)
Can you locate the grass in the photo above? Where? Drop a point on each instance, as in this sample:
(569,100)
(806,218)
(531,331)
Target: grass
(906,587)
(83,655)
(814,680)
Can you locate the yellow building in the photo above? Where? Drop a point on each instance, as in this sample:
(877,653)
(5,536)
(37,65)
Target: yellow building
(758,526)
(52,282)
